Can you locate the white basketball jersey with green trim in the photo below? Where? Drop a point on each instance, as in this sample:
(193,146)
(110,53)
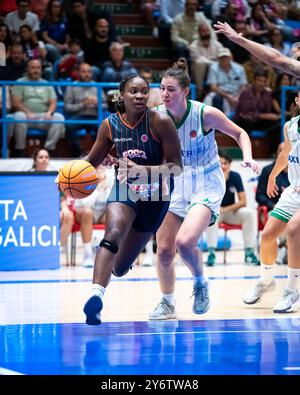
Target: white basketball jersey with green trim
(198,147)
(293,133)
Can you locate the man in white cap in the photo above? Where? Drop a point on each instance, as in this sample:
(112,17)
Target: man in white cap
(226,79)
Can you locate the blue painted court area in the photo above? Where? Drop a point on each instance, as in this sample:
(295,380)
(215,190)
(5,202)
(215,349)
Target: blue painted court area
(214,347)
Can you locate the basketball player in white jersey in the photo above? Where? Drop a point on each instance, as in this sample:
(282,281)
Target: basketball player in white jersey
(272,57)
(198,191)
(283,211)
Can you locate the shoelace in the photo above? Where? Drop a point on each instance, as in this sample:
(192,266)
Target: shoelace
(164,306)
(202,290)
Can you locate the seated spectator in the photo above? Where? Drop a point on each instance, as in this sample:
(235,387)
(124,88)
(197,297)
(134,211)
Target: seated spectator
(86,212)
(150,9)
(203,52)
(81,103)
(69,63)
(235,9)
(41,160)
(96,50)
(276,42)
(263,199)
(169,9)
(39,8)
(226,79)
(234,211)
(284,80)
(115,69)
(35,103)
(184,29)
(22,16)
(256,111)
(254,64)
(240,55)
(15,65)
(33,48)
(260,25)
(154,93)
(5,37)
(54,31)
(82,20)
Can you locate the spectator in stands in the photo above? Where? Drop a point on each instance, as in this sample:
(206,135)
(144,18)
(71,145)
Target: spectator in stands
(81,103)
(203,52)
(169,9)
(276,42)
(82,21)
(96,51)
(115,69)
(41,160)
(226,80)
(260,25)
(39,8)
(86,212)
(15,64)
(256,111)
(22,16)
(151,10)
(234,211)
(5,37)
(35,103)
(254,64)
(239,54)
(54,31)
(235,9)
(284,80)
(69,63)
(33,48)
(184,29)
(154,93)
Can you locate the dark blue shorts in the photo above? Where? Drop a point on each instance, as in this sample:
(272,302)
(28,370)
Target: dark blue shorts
(149,214)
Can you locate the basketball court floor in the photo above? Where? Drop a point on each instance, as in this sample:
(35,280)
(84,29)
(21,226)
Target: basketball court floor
(43,330)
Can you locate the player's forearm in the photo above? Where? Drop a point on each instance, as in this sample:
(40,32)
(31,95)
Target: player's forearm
(280,164)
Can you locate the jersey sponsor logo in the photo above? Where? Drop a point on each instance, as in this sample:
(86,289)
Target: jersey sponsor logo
(189,153)
(122,139)
(293,159)
(134,153)
(193,134)
(144,138)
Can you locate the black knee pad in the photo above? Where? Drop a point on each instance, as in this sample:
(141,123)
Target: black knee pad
(109,245)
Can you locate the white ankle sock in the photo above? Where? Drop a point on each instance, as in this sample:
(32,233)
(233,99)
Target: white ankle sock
(292,280)
(87,248)
(98,290)
(170,298)
(266,273)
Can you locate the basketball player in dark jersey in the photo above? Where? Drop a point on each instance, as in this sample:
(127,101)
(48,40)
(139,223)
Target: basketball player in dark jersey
(147,148)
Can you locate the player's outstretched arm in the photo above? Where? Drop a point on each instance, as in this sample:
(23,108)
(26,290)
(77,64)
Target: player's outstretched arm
(268,55)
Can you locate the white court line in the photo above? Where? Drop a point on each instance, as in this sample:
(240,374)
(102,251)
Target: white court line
(291,368)
(8,372)
(198,332)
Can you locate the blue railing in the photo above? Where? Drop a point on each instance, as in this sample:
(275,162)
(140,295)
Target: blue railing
(8,118)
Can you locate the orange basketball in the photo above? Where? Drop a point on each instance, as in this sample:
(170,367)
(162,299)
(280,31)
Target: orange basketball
(77,179)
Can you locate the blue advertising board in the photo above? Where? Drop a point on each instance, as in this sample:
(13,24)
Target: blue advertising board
(29,221)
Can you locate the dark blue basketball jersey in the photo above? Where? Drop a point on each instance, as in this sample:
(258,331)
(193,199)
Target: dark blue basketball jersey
(135,142)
